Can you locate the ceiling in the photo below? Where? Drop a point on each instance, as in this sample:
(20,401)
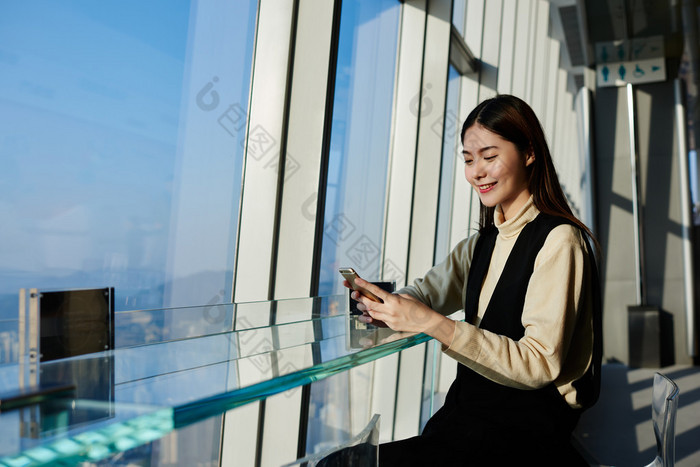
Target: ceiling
(580,24)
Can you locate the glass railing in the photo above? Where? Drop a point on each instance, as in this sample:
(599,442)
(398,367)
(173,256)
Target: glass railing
(174,367)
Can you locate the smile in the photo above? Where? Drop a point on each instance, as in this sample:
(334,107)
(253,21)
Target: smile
(487,187)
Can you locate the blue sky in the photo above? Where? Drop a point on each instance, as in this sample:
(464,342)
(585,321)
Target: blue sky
(91,118)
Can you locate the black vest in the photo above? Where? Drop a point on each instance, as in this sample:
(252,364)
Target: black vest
(474,398)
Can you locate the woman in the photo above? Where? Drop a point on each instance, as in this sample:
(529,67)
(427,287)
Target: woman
(529,348)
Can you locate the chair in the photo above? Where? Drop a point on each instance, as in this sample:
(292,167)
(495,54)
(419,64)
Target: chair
(360,451)
(664,405)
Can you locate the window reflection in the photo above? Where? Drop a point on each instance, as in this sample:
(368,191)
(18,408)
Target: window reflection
(357,174)
(450,151)
(360,136)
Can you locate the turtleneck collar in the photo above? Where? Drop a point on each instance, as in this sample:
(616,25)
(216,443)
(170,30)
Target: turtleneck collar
(513,226)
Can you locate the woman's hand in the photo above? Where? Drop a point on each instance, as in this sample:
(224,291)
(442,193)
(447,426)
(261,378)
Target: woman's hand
(402,312)
(365,317)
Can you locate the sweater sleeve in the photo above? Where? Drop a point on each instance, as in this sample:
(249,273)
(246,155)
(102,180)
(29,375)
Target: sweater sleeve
(442,287)
(549,317)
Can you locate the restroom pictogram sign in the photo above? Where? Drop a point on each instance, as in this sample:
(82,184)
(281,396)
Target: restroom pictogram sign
(634,61)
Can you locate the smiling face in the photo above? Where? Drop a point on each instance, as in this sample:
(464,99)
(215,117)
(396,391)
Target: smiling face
(496,169)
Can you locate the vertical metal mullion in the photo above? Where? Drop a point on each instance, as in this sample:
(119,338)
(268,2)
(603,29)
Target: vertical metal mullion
(396,397)
(259,439)
(243,166)
(326,149)
(283,151)
(34,336)
(636,207)
(394,110)
(442,163)
(306,389)
(275,233)
(415,164)
(585,128)
(320,210)
(23,342)
(398,217)
(686,220)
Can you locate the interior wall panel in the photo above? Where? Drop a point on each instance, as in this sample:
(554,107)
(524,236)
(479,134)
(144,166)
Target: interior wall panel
(522,51)
(474,40)
(550,93)
(490,49)
(256,233)
(426,181)
(614,193)
(532,51)
(426,185)
(306,122)
(539,85)
(662,222)
(506,56)
(410,107)
(408,110)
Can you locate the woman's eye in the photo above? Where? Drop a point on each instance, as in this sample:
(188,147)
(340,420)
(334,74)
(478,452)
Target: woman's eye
(490,158)
(468,161)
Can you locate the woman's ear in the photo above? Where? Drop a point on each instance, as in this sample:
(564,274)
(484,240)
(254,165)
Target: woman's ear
(530,158)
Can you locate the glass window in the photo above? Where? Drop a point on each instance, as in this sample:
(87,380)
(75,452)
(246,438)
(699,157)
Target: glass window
(357,174)
(450,150)
(360,137)
(121,147)
(459,15)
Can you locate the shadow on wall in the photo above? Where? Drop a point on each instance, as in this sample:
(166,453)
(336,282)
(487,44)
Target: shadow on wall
(618,429)
(661,227)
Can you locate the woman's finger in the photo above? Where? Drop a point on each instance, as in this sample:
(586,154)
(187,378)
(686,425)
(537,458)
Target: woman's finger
(367,302)
(376,290)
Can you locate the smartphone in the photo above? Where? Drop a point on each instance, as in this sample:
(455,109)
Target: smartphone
(350,275)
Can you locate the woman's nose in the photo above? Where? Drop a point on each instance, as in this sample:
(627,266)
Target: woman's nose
(478,169)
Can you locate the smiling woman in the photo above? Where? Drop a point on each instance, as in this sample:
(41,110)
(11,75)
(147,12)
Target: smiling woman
(514,121)
(529,349)
(496,169)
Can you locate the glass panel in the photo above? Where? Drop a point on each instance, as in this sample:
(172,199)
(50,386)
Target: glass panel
(121,129)
(153,326)
(201,376)
(450,151)
(459,15)
(432,365)
(360,137)
(197,444)
(332,405)
(36,437)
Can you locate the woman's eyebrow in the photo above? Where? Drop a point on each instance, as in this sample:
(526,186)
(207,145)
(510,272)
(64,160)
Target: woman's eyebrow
(484,149)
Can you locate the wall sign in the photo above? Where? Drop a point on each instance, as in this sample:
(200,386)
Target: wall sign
(633,61)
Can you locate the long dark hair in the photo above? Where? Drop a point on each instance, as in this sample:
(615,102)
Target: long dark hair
(513,120)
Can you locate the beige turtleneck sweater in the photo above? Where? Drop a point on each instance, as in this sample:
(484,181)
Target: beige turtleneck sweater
(557,314)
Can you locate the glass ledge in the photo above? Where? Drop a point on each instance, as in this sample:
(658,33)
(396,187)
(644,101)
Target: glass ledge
(379,343)
(144,389)
(40,434)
